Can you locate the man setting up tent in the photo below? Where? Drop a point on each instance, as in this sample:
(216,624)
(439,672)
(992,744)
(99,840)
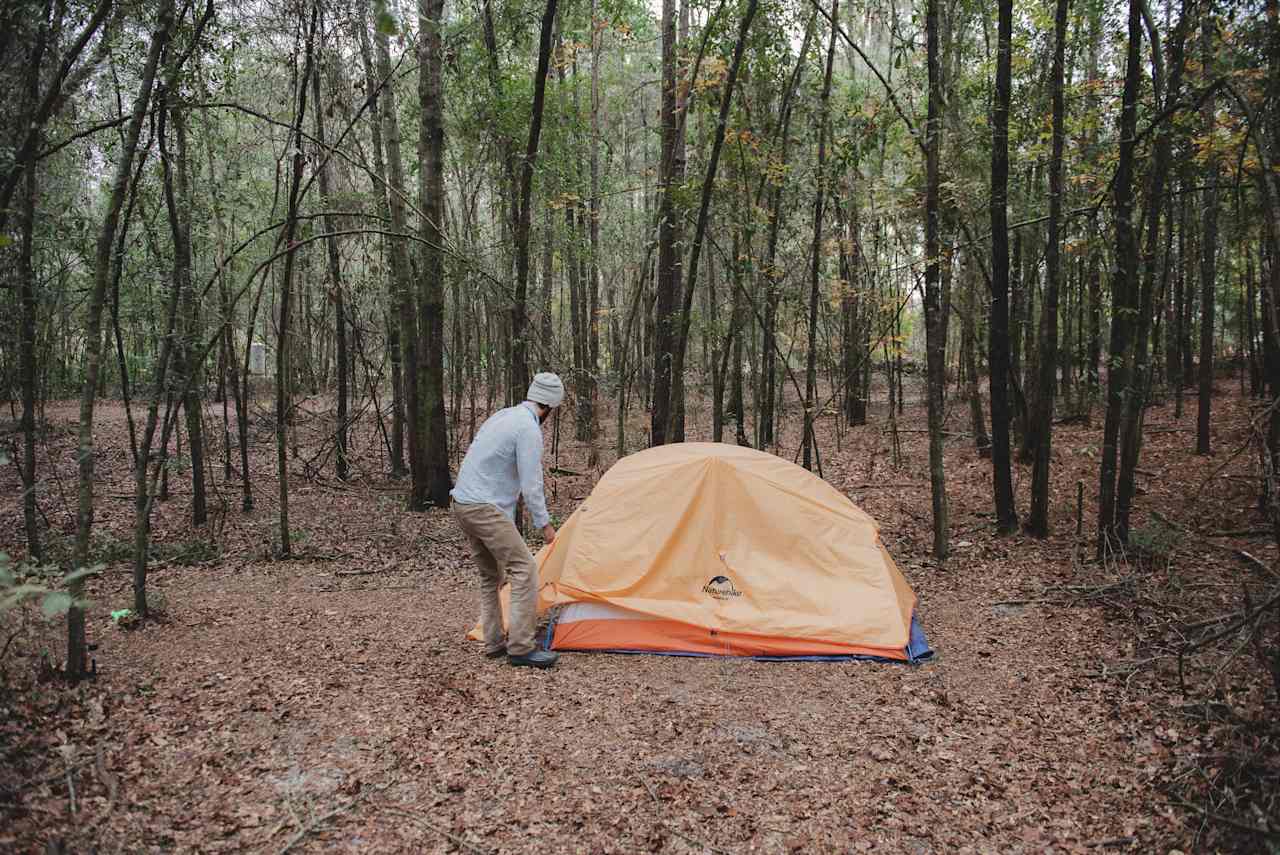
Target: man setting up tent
(504,462)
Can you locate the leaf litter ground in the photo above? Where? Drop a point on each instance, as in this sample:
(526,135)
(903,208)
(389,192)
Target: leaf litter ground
(331,702)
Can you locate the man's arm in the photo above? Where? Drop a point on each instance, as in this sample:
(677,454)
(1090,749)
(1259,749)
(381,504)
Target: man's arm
(529,467)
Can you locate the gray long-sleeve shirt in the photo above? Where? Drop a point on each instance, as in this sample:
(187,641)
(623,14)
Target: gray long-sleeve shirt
(504,462)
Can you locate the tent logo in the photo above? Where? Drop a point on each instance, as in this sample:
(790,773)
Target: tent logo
(721,588)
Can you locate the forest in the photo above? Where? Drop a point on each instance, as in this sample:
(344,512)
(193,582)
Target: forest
(1005,274)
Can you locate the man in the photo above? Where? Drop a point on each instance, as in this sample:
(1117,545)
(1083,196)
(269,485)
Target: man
(504,462)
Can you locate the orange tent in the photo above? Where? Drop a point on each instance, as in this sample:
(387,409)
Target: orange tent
(713,549)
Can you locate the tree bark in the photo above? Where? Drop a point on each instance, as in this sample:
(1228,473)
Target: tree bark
(519,379)
(76,647)
(935,330)
(434,489)
(1208,249)
(341,466)
(1125,280)
(668,276)
(284,378)
(27,362)
(401,327)
(1166,91)
(1047,365)
(676,424)
(999,364)
(815,251)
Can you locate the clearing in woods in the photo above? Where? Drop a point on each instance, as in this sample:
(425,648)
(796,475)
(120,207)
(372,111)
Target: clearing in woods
(331,702)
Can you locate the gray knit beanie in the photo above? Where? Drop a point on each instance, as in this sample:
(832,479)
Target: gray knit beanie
(546,389)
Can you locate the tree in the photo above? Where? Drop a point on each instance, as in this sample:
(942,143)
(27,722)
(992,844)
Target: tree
(934,320)
(998,363)
(1166,92)
(675,431)
(284,369)
(519,309)
(341,465)
(1208,245)
(432,481)
(815,261)
(667,282)
(1041,424)
(76,649)
(1124,283)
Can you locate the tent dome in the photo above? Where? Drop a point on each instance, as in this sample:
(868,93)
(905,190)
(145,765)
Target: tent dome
(716,549)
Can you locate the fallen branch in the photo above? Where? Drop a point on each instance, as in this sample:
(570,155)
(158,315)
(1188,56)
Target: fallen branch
(1255,562)
(312,826)
(362,572)
(1235,625)
(453,838)
(318,821)
(1243,532)
(1226,820)
(560,470)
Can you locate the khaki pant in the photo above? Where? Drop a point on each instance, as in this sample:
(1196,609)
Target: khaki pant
(502,556)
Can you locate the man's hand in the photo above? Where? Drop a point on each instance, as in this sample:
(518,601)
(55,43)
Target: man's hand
(548,532)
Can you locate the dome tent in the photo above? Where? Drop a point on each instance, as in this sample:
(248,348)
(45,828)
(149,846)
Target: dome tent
(715,549)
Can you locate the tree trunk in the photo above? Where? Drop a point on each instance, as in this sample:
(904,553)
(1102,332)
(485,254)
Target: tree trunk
(669,230)
(284,377)
(144,481)
(335,282)
(432,482)
(401,328)
(977,419)
(999,364)
(1208,249)
(519,378)
(935,330)
(855,344)
(190,358)
(27,363)
(808,440)
(1166,91)
(676,425)
(589,390)
(1125,282)
(76,647)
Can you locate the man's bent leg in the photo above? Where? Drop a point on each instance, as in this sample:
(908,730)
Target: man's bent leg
(491,576)
(513,556)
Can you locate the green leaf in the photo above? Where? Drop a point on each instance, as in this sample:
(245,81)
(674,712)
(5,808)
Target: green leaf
(56,603)
(5,240)
(387,25)
(120,614)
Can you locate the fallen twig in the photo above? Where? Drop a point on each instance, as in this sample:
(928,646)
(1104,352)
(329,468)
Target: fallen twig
(1243,532)
(560,470)
(1226,820)
(317,822)
(1255,562)
(1234,625)
(453,838)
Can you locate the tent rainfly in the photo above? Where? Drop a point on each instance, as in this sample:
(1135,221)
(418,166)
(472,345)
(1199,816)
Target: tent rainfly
(707,549)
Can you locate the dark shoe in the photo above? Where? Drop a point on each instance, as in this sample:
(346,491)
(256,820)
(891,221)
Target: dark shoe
(496,654)
(535,659)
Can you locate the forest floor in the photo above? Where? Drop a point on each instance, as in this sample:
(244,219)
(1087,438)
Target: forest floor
(331,701)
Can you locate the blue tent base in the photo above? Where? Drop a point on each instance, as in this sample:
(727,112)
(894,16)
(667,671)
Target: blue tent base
(917,650)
